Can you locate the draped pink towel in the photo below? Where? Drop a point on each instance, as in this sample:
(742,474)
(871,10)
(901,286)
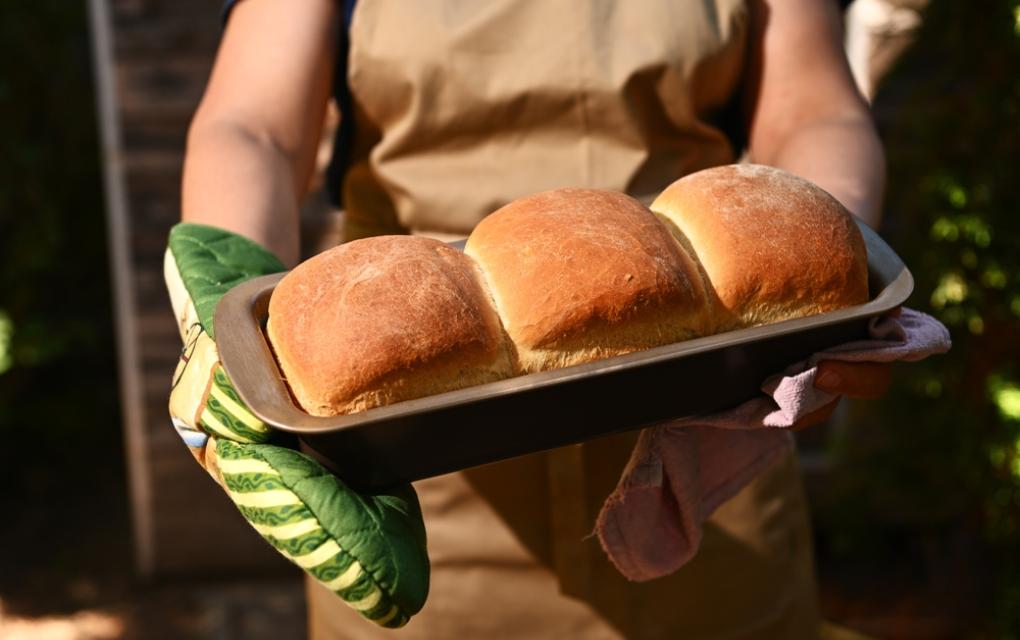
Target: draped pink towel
(681,471)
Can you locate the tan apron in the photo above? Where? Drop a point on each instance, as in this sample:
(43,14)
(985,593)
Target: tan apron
(461,106)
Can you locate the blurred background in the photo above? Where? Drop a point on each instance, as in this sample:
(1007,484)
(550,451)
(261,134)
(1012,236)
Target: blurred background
(916,498)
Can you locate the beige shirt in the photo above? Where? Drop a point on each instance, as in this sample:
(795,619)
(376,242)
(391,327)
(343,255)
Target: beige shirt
(462,106)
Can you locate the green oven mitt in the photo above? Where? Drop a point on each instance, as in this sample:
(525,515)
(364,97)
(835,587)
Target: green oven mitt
(368,549)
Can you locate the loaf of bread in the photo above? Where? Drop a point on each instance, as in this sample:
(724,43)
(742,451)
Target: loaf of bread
(770,246)
(385,319)
(561,278)
(579,274)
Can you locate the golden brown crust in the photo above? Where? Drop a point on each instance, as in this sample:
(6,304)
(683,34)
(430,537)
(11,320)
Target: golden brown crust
(561,278)
(773,246)
(381,320)
(580,274)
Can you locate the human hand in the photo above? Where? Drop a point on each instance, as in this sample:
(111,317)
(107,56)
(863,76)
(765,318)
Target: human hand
(859,380)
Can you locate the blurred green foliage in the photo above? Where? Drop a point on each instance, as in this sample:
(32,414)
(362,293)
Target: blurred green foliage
(932,472)
(58,395)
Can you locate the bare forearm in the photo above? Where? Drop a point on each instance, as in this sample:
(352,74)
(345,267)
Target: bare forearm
(841,155)
(803,110)
(251,146)
(234,180)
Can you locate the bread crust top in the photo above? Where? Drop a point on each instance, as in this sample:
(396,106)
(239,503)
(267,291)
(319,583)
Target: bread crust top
(570,261)
(561,278)
(772,245)
(365,316)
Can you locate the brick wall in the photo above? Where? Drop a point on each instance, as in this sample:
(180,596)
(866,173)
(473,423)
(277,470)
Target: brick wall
(157,55)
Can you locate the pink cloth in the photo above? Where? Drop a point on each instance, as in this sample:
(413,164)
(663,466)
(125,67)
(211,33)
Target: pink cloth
(681,471)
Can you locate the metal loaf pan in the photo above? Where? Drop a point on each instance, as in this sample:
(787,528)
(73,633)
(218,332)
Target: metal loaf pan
(451,431)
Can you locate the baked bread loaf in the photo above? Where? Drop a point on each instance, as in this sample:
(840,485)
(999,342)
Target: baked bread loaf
(580,274)
(385,319)
(561,278)
(770,246)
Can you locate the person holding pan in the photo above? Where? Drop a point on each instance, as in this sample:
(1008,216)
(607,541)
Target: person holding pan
(450,110)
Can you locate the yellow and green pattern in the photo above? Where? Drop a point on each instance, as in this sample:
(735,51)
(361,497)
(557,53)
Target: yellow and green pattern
(368,549)
(282,492)
(226,415)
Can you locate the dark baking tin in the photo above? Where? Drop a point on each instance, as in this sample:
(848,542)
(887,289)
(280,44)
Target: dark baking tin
(450,431)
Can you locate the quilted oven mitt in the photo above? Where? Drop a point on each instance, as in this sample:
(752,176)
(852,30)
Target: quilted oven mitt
(368,549)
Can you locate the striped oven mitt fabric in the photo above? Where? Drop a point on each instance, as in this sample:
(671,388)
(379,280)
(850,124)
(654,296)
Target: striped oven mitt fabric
(368,549)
